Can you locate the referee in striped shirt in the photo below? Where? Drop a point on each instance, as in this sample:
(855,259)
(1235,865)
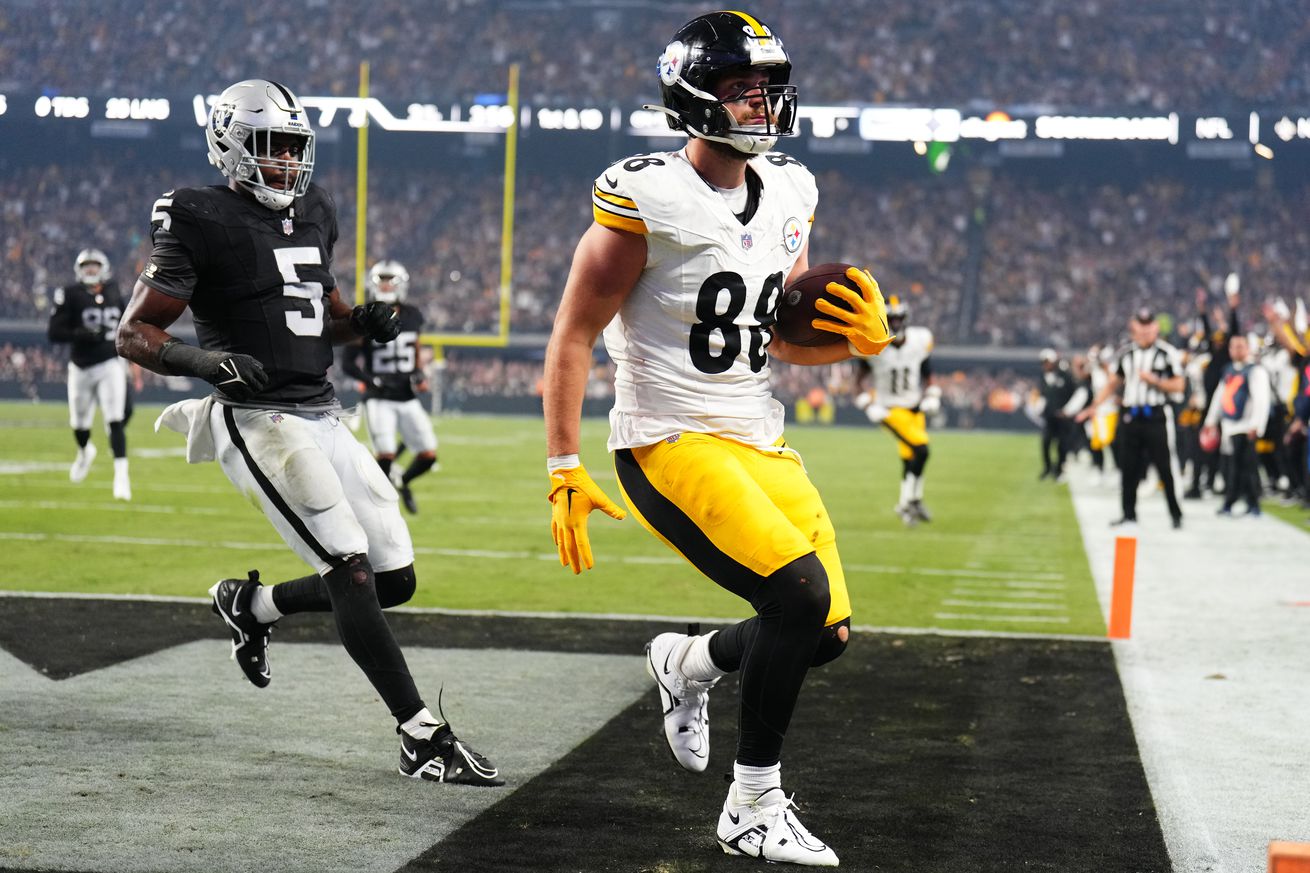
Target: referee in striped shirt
(1148,371)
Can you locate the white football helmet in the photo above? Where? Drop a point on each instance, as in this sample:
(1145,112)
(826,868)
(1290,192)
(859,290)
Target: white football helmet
(388,281)
(240,138)
(88,274)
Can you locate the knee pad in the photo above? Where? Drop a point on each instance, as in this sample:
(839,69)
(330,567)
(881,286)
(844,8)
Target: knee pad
(352,577)
(798,592)
(396,586)
(832,642)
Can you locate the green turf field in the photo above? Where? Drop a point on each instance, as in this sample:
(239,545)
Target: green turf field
(1002,554)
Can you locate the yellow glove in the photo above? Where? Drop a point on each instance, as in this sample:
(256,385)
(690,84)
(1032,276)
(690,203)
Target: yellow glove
(864,324)
(573,495)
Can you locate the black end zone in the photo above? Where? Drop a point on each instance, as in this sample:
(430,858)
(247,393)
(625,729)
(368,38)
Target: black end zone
(907,754)
(912,753)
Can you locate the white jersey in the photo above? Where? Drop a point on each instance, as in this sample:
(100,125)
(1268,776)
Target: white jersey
(897,372)
(1101,378)
(690,342)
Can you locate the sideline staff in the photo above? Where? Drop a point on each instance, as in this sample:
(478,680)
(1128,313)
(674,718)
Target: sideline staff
(1149,370)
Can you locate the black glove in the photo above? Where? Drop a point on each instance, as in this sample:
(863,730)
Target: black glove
(238,376)
(85,334)
(377,320)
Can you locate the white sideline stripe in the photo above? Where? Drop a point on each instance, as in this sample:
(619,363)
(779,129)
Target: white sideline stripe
(13,468)
(995,604)
(594,616)
(1000,592)
(452,553)
(1036,619)
(107,506)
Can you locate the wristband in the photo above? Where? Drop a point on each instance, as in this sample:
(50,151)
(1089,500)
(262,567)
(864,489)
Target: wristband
(556,463)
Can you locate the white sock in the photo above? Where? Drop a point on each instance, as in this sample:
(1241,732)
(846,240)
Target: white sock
(261,604)
(751,782)
(120,466)
(907,488)
(918,487)
(697,664)
(423,725)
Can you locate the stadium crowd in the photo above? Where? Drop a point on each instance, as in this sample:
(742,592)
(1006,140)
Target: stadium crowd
(1204,56)
(1060,262)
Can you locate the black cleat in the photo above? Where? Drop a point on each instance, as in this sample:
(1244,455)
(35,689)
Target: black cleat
(444,758)
(407,498)
(920,511)
(231,602)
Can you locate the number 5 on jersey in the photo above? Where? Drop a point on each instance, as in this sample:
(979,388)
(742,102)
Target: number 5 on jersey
(300,323)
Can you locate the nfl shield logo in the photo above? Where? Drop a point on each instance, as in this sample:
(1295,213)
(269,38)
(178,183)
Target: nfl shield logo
(286,227)
(747,241)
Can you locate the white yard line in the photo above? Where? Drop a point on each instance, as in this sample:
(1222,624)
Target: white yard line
(1214,674)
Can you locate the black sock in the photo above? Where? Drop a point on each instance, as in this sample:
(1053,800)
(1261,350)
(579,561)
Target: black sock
(367,637)
(83,437)
(385,464)
(417,467)
(306,594)
(118,439)
(774,651)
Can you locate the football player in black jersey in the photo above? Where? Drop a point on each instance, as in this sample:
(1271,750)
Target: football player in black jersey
(252,261)
(392,382)
(86,317)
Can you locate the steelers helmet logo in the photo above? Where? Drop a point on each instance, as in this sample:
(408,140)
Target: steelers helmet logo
(671,62)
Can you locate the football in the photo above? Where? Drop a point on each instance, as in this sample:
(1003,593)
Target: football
(796,308)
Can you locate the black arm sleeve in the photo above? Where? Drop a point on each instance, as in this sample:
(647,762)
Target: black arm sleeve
(61,323)
(925,371)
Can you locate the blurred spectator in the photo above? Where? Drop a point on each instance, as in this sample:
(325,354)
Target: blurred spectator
(1205,56)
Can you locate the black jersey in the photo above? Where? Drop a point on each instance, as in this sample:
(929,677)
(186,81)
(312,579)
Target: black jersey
(388,369)
(257,281)
(87,317)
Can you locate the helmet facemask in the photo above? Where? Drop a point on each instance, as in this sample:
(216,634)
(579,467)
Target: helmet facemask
(706,51)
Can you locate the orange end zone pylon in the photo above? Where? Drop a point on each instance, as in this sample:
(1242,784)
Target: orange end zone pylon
(1287,857)
(1121,591)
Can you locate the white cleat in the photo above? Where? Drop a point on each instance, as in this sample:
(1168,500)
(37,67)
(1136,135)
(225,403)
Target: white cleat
(767,828)
(685,702)
(82,463)
(122,487)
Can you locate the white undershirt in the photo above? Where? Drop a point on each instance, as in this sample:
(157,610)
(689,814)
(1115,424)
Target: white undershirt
(734,197)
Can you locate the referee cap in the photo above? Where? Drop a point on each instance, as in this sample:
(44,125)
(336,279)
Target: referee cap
(1144,315)
(1050,355)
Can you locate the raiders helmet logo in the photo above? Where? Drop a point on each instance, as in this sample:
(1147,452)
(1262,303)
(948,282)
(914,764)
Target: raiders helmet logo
(220,119)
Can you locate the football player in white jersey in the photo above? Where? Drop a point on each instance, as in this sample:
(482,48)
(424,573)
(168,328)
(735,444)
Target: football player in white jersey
(683,268)
(902,398)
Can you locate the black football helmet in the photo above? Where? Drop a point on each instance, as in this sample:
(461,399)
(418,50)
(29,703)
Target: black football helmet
(709,47)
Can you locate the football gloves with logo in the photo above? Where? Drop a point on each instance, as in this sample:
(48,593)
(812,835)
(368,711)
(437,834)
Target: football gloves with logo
(864,322)
(239,377)
(573,495)
(376,320)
